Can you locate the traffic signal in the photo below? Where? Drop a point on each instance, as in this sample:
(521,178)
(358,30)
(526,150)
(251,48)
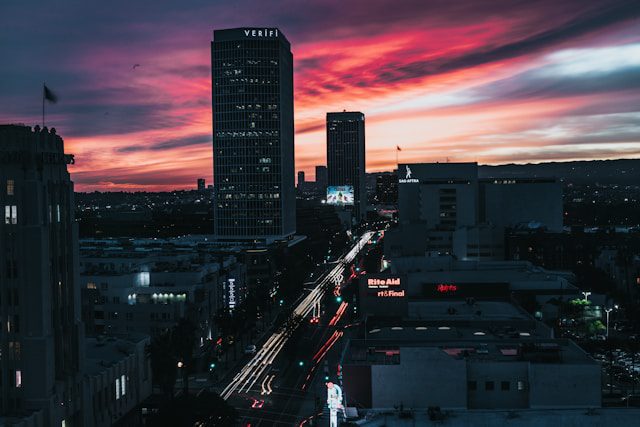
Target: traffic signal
(301,363)
(212,366)
(338,299)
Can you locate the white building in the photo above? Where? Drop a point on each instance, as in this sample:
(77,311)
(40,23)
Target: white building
(147,285)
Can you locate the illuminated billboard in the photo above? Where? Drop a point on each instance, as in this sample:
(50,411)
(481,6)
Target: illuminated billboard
(383,295)
(340,195)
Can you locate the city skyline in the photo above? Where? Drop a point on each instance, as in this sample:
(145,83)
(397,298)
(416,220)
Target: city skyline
(493,83)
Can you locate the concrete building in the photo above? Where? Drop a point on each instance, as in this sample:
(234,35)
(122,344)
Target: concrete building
(346,156)
(387,188)
(322,178)
(445,208)
(253,160)
(117,379)
(43,339)
(463,355)
(201,184)
(301,180)
(147,285)
(45,359)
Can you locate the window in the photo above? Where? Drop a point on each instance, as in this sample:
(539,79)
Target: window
(10,187)
(488,385)
(14,350)
(505,386)
(472,385)
(521,385)
(117,388)
(11,214)
(18,378)
(123,382)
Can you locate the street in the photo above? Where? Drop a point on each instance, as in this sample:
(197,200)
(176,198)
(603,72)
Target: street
(268,391)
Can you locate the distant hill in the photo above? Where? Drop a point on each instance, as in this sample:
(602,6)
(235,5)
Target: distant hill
(621,172)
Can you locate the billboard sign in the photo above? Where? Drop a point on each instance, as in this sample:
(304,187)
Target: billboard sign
(340,195)
(383,294)
(451,290)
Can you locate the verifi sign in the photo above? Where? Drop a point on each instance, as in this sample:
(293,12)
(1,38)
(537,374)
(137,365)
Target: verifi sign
(376,283)
(267,32)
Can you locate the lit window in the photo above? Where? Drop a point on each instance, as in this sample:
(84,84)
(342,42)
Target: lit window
(18,378)
(58,213)
(10,187)
(11,214)
(117,388)
(123,382)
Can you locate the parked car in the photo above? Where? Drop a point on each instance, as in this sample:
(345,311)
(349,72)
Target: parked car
(250,349)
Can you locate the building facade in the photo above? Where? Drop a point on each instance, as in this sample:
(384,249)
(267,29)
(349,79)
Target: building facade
(148,285)
(445,208)
(346,156)
(322,178)
(45,365)
(253,135)
(42,337)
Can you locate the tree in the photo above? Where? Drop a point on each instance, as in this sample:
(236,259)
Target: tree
(183,339)
(166,350)
(163,363)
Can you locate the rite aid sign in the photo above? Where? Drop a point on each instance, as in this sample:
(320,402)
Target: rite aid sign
(382,283)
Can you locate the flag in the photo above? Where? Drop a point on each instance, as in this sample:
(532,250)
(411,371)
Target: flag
(398,148)
(49,95)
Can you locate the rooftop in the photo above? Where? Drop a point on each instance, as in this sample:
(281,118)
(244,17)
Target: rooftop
(103,352)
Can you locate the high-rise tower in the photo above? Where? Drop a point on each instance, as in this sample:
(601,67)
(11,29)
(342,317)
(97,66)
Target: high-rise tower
(253,151)
(41,337)
(346,156)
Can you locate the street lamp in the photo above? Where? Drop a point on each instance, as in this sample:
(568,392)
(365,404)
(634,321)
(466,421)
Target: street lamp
(586,295)
(609,310)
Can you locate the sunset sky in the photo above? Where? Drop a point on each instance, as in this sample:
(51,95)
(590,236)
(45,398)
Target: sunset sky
(487,81)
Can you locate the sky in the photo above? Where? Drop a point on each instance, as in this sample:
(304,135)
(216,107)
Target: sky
(504,81)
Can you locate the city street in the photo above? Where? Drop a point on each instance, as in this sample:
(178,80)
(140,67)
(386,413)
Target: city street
(268,391)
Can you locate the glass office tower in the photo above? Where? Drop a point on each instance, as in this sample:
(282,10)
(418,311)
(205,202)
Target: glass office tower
(253,154)
(346,156)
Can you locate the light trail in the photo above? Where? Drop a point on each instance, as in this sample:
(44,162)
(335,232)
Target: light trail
(336,318)
(321,354)
(250,373)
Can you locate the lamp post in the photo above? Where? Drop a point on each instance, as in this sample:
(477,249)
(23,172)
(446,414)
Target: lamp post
(608,311)
(586,295)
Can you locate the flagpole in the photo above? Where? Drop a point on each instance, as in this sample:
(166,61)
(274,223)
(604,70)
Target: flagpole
(43,86)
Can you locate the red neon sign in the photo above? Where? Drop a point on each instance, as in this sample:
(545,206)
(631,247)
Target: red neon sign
(446,288)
